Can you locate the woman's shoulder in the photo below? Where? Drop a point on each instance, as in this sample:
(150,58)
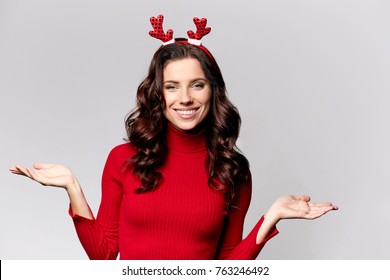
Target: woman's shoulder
(122,152)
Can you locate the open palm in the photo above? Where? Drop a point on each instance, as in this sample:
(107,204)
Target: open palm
(47,174)
(299,207)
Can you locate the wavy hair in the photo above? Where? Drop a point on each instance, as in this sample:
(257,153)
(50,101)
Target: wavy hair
(146,125)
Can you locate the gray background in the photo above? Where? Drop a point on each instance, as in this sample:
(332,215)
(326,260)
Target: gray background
(310,78)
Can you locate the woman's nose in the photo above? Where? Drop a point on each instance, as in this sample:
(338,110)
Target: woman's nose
(185,97)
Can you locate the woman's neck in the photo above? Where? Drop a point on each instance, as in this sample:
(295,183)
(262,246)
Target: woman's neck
(186,142)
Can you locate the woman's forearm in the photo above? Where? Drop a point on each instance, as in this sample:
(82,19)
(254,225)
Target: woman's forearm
(269,222)
(78,202)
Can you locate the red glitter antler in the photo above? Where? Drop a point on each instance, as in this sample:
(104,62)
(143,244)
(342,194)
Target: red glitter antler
(201,30)
(158,31)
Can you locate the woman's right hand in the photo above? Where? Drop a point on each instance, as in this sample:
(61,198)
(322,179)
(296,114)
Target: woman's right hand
(57,175)
(47,174)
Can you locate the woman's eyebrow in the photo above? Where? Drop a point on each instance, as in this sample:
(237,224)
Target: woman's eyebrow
(171,81)
(191,81)
(198,80)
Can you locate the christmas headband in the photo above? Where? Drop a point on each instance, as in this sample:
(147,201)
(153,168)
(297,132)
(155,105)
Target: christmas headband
(194,38)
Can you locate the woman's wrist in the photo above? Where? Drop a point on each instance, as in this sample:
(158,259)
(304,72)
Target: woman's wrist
(272,216)
(73,186)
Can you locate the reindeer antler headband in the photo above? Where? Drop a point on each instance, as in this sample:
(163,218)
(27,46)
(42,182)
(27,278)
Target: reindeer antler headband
(194,38)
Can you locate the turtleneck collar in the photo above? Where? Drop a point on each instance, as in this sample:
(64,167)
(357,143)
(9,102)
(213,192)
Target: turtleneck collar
(184,142)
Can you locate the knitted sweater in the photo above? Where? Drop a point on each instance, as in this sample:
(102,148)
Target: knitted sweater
(182,219)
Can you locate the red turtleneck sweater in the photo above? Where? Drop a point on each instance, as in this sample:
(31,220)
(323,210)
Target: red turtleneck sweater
(182,219)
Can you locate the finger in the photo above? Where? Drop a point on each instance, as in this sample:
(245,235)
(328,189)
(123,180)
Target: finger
(17,172)
(31,173)
(36,177)
(21,170)
(316,213)
(320,204)
(14,170)
(302,197)
(42,172)
(330,208)
(322,208)
(16,167)
(39,165)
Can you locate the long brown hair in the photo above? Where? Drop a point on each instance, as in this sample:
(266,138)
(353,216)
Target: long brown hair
(146,125)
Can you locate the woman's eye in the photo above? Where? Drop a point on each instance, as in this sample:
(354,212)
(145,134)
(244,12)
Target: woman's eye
(170,87)
(199,85)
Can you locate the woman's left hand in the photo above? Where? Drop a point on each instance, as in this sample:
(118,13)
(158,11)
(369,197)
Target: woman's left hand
(292,207)
(298,207)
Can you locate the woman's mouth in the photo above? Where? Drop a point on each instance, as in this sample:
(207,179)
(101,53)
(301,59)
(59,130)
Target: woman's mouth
(186,113)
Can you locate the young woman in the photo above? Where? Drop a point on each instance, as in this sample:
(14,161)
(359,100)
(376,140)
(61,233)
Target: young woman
(179,188)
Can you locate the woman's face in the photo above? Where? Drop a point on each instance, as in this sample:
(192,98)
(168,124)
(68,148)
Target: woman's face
(187,93)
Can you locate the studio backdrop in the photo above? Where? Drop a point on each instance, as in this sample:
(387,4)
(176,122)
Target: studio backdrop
(311,80)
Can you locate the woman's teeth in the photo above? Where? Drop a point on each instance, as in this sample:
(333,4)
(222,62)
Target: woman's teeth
(186,112)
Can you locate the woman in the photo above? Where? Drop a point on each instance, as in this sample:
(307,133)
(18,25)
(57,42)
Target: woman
(179,188)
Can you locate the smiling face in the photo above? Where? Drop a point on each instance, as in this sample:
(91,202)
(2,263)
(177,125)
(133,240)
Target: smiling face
(187,93)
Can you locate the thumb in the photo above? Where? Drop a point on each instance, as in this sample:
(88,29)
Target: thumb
(39,165)
(302,197)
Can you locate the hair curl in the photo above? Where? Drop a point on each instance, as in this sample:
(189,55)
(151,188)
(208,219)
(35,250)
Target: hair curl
(146,126)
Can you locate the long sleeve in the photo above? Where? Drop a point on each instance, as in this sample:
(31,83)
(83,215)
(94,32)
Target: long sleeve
(99,236)
(231,245)
(183,218)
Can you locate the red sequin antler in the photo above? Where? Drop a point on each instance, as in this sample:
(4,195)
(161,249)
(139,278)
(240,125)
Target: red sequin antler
(158,31)
(201,30)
